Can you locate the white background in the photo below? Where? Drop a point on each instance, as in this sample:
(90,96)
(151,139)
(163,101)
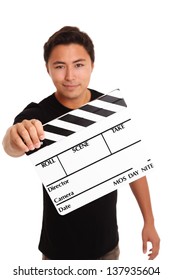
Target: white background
(134,52)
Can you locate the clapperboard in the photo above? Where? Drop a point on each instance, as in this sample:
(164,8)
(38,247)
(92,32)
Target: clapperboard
(90,152)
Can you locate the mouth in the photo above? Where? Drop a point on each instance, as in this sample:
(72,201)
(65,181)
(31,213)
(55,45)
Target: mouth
(69,86)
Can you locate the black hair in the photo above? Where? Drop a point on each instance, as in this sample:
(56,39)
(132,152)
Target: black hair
(68,35)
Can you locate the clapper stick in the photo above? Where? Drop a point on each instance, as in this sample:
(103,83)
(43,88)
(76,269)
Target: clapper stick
(90,152)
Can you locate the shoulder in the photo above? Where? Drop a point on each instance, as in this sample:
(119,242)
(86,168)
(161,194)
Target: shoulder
(36,110)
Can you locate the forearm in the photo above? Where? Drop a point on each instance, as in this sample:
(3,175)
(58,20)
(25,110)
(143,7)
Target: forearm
(141,192)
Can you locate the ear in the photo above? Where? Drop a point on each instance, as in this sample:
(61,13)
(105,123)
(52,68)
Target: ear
(47,68)
(92,65)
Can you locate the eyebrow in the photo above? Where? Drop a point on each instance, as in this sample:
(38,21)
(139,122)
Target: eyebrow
(62,62)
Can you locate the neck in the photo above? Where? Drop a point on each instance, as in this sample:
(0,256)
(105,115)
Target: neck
(76,102)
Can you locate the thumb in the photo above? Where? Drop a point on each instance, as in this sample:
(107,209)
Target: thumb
(144,246)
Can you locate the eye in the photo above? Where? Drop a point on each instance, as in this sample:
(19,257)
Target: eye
(59,67)
(78,65)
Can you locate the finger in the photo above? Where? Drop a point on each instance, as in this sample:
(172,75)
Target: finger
(39,128)
(17,142)
(152,256)
(36,133)
(27,133)
(144,248)
(153,252)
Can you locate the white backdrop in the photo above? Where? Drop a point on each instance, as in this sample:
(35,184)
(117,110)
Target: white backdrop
(133,44)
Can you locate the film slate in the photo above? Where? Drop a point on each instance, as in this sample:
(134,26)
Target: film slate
(90,152)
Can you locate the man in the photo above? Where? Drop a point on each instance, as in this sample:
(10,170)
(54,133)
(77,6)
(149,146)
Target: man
(90,232)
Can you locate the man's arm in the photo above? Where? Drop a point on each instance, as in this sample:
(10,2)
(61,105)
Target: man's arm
(23,137)
(149,234)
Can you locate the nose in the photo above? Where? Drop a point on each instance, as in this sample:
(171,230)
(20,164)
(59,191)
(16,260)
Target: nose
(69,76)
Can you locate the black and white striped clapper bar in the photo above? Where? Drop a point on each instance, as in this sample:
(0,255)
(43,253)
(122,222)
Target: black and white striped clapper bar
(90,152)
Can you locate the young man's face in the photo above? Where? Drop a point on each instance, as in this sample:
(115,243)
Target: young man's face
(70,68)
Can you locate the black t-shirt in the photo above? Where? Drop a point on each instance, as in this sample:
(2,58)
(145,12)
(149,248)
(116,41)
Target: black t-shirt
(86,233)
